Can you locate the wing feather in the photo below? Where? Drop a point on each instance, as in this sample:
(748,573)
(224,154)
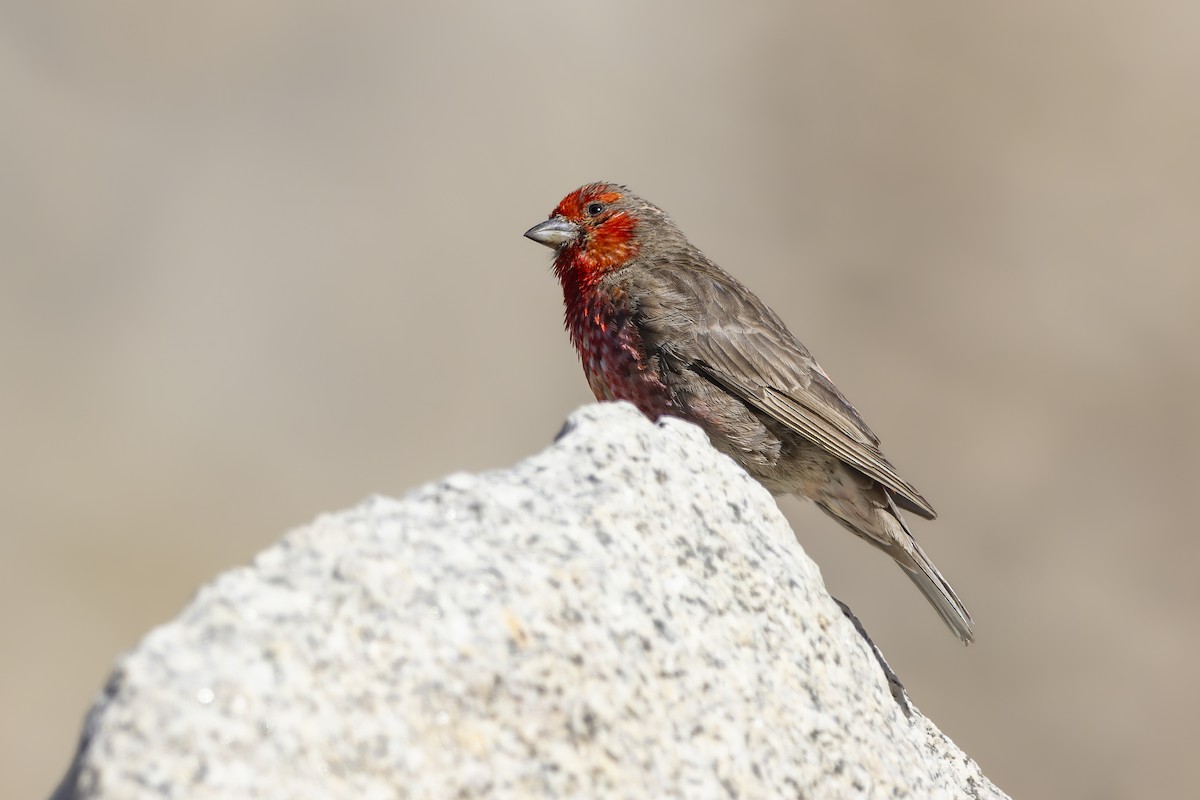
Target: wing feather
(736,342)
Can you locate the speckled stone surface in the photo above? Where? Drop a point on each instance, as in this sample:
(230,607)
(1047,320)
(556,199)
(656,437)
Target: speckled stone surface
(625,614)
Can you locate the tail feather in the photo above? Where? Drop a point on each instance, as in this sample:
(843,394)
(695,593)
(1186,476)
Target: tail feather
(883,527)
(940,594)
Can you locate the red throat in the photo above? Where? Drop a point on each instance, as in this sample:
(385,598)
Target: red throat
(607,241)
(603,248)
(579,267)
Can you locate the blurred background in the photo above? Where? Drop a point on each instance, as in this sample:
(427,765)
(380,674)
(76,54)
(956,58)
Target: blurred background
(258,261)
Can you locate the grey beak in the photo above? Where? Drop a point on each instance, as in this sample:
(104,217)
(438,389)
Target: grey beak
(554,232)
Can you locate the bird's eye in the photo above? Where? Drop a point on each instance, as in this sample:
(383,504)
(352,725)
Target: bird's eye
(594,208)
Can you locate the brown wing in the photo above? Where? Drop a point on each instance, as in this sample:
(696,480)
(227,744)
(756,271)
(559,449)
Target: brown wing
(702,319)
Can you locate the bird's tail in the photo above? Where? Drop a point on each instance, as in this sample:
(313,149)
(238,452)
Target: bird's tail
(888,531)
(939,593)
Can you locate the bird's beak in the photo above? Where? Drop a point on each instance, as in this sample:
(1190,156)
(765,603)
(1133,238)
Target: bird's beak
(554,232)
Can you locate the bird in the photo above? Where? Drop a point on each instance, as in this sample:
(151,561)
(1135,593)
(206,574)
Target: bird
(657,323)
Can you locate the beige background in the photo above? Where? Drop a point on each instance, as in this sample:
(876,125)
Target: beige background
(260,260)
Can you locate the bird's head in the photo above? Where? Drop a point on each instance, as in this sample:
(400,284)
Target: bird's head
(594,230)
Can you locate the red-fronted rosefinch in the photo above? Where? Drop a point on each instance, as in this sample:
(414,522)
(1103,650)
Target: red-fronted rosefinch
(657,323)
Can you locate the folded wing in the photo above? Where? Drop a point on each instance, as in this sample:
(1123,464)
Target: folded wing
(731,339)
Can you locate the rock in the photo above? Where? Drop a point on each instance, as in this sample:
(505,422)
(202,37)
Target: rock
(626,614)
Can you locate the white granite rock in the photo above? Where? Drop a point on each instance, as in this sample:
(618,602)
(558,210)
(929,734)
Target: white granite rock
(626,614)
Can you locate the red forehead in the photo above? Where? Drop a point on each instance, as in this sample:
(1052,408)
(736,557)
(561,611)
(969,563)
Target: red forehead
(573,205)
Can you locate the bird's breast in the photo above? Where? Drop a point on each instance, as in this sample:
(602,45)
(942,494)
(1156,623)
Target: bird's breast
(613,357)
